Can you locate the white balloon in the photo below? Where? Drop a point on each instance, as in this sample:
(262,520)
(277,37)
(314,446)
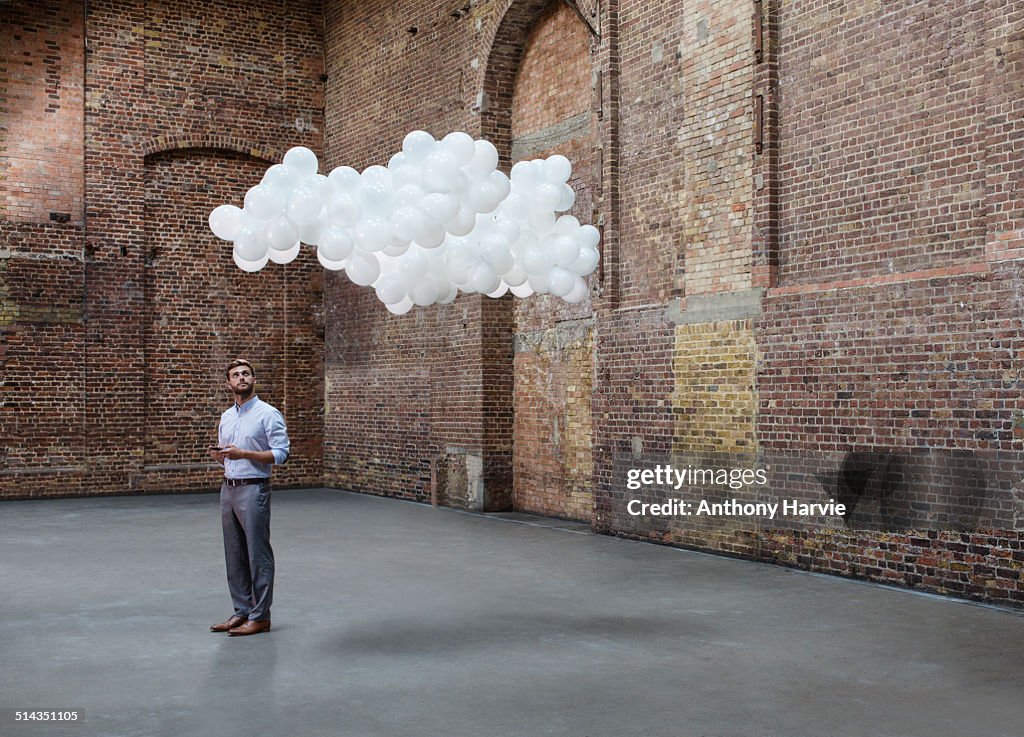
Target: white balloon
(497,251)
(522,291)
(304,206)
(424,293)
(462,251)
(397,161)
(328,264)
(282,178)
(251,243)
(301,160)
(539,284)
(463,222)
(515,276)
(541,221)
(516,206)
(362,268)
(226,221)
(408,222)
(483,279)
(538,261)
(568,198)
(439,172)
(588,236)
(409,195)
(373,234)
(249,266)
(321,185)
(586,263)
(567,225)
(484,161)
(501,183)
(448,294)
(377,198)
(579,292)
(413,265)
(483,196)
(460,184)
(335,243)
(400,308)
(457,273)
(264,202)
(547,196)
(281,234)
(376,174)
(285,256)
(523,174)
(390,288)
(566,250)
(560,281)
(499,292)
(557,169)
(460,146)
(508,228)
(407,174)
(345,179)
(418,145)
(440,208)
(394,250)
(484,225)
(310,232)
(344,210)
(432,236)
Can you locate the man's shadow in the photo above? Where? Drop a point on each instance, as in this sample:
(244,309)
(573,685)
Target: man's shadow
(890,491)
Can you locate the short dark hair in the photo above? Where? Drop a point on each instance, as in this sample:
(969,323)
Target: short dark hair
(239,362)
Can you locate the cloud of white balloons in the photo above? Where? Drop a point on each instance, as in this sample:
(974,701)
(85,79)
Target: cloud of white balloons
(438,219)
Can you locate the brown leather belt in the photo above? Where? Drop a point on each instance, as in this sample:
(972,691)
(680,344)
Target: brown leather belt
(245,482)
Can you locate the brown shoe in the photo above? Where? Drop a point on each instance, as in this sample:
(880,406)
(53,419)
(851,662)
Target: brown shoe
(252,627)
(225,626)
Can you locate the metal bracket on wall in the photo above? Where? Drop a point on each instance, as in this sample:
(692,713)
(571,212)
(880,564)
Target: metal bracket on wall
(758,32)
(596,13)
(759,123)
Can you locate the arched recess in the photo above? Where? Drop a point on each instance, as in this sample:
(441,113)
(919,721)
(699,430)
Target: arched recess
(503,60)
(216,142)
(545,372)
(497,315)
(200,311)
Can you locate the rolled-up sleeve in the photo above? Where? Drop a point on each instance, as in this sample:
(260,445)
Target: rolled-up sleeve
(277,437)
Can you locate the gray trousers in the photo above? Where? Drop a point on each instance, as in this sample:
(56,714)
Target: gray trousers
(245,517)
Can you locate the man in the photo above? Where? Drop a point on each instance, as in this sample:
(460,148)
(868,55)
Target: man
(252,437)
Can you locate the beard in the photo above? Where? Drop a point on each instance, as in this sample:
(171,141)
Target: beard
(244,392)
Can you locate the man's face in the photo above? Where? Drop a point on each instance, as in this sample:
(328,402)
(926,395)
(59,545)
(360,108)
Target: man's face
(241,381)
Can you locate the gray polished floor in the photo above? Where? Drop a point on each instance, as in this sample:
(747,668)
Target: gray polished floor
(395,619)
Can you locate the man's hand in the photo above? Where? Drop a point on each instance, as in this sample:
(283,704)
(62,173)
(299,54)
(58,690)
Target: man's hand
(234,453)
(216,454)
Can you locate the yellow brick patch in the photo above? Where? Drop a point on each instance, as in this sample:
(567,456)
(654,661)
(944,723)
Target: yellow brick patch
(714,402)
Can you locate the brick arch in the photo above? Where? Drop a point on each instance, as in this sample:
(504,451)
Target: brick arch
(164,144)
(503,58)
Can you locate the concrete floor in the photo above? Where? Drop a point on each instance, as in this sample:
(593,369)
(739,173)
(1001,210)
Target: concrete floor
(396,619)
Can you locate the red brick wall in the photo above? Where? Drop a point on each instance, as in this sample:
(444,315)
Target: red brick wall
(894,207)
(894,327)
(430,390)
(201,310)
(552,107)
(96,315)
(41,101)
(883,219)
(882,162)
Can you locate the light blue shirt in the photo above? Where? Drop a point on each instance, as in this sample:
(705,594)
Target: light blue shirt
(254,426)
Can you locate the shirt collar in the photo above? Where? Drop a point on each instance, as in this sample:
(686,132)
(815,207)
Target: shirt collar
(248,405)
